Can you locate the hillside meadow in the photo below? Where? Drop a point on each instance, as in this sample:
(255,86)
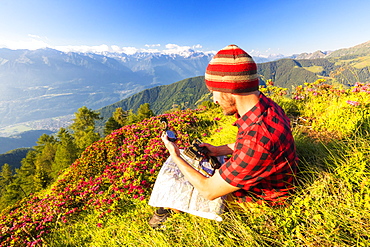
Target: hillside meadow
(101,199)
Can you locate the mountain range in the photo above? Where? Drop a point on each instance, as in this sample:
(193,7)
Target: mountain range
(47,84)
(32,82)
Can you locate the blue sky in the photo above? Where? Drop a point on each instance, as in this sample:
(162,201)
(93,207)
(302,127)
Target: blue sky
(258,26)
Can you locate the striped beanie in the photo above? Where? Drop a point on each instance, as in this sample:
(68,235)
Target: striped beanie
(232,70)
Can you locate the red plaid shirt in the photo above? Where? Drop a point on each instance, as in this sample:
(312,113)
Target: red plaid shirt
(263,162)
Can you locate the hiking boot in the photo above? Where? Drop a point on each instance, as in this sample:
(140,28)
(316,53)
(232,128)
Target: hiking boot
(159,217)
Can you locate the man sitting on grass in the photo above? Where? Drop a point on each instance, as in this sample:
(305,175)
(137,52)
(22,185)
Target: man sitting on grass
(263,157)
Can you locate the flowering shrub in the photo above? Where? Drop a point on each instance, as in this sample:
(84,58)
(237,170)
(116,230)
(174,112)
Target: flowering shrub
(318,88)
(273,91)
(334,109)
(111,172)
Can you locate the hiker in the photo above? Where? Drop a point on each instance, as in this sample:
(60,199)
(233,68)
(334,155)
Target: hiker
(263,158)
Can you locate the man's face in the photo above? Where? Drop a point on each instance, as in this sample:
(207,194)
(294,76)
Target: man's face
(226,102)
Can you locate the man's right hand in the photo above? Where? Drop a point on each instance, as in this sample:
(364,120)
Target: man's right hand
(212,149)
(218,150)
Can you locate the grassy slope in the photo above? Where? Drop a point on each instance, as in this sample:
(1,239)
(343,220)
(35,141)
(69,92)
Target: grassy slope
(330,207)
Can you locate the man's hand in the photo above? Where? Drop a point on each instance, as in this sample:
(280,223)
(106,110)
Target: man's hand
(212,149)
(171,147)
(218,150)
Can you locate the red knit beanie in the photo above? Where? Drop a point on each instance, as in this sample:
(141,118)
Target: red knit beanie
(232,70)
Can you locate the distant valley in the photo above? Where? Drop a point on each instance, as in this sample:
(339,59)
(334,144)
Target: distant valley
(48,83)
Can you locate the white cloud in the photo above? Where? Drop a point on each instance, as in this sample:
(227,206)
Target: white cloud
(150,50)
(34,36)
(254,53)
(156,45)
(32,42)
(176,49)
(83,48)
(96,49)
(172,46)
(129,50)
(115,48)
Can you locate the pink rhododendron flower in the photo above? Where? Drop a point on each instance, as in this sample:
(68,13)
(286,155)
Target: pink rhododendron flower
(354,103)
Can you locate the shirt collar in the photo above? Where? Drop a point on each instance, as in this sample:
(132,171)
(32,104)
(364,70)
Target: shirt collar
(254,114)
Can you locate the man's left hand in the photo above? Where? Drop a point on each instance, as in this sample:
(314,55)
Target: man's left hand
(172,147)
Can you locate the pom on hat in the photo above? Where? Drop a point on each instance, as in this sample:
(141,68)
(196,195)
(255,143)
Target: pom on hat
(232,70)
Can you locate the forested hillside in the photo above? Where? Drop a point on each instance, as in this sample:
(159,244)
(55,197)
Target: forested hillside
(285,73)
(343,70)
(14,157)
(358,50)
(345,66)
(183,94)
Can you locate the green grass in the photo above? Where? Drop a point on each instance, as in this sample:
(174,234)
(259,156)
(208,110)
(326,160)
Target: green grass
(314,69)
(330,208)
(362,62)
